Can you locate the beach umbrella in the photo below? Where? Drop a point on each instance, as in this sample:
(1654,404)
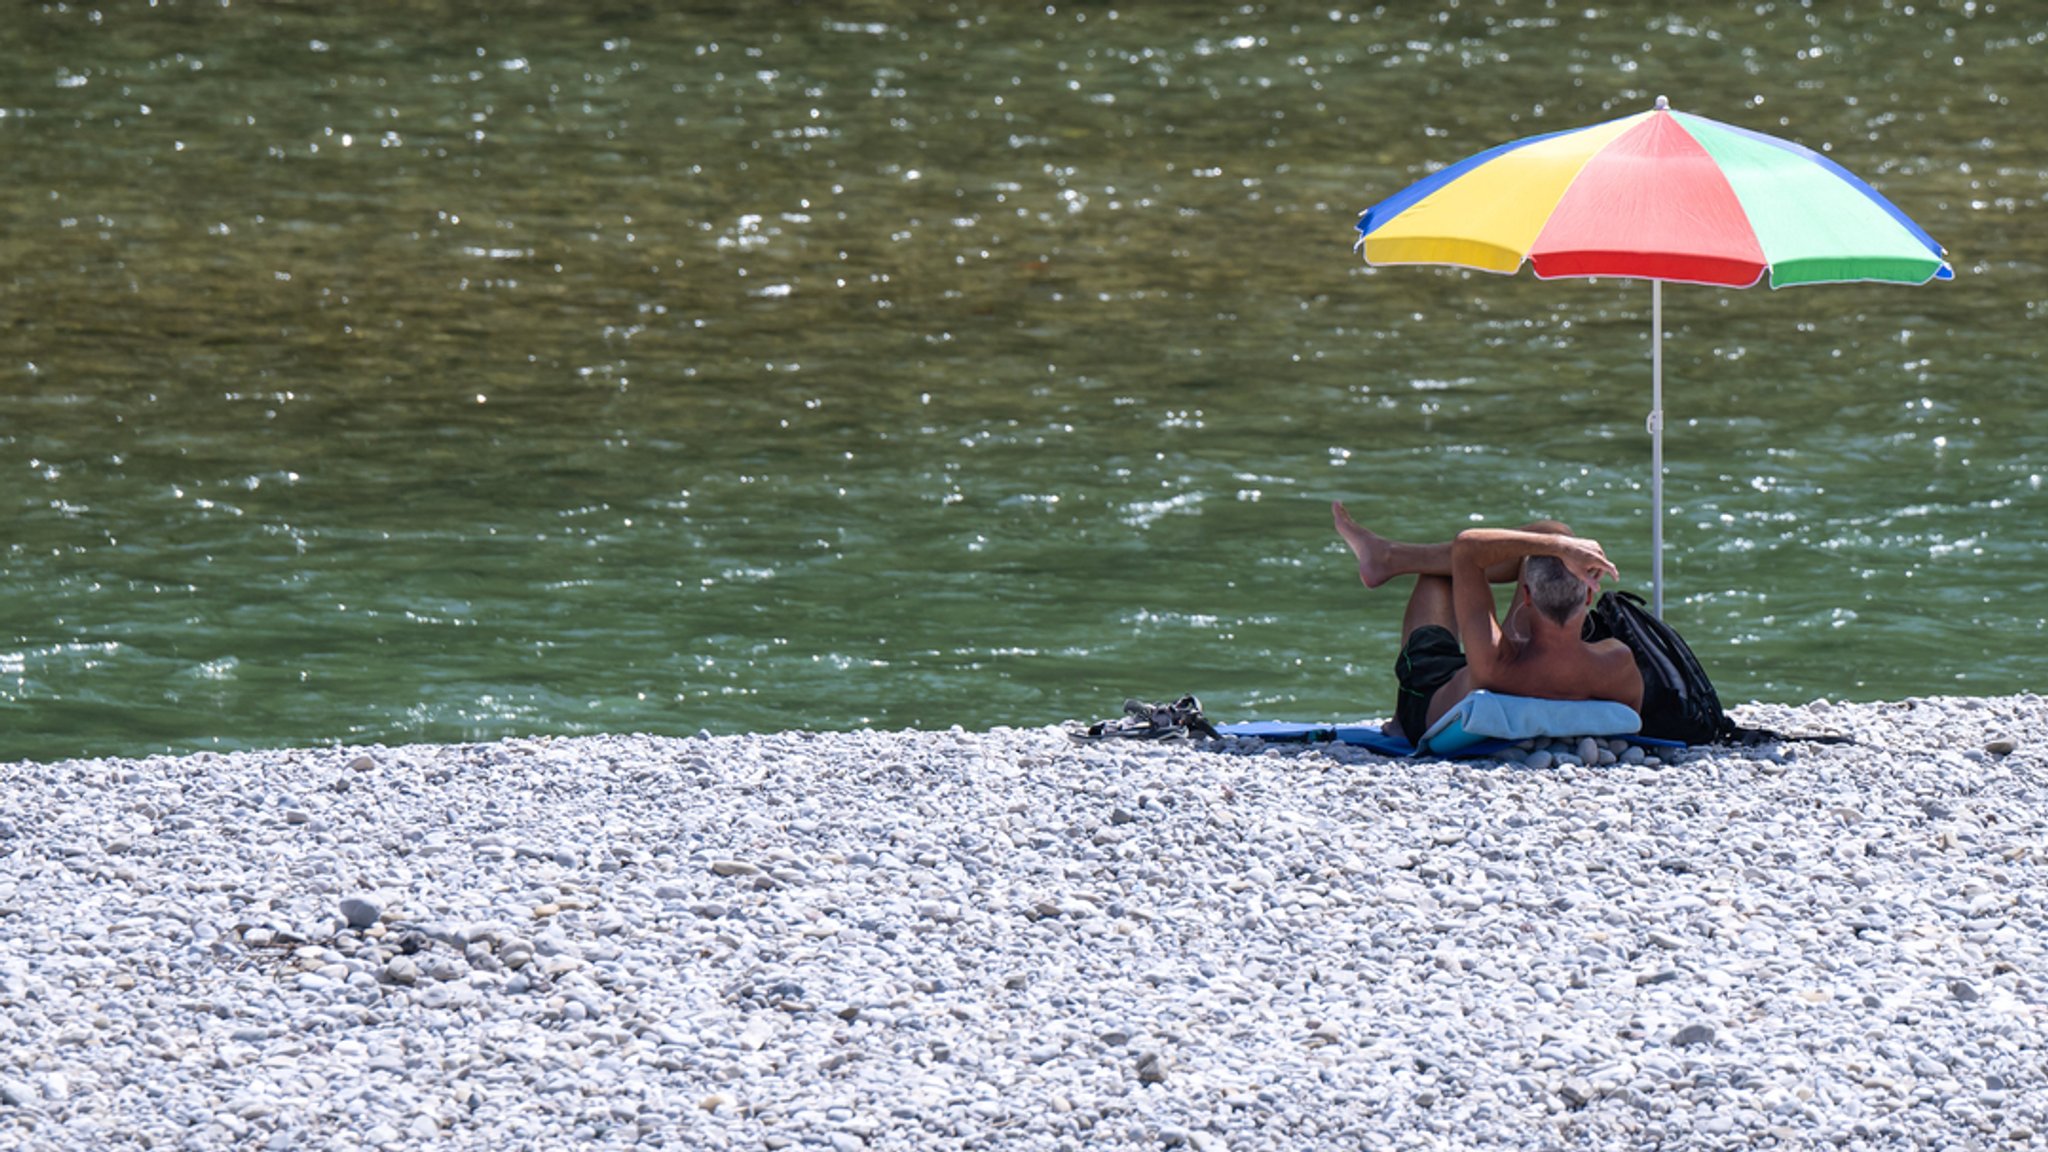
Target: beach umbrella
(1657,196)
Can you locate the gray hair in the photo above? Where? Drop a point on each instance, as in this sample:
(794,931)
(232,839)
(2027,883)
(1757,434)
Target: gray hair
(1555,590)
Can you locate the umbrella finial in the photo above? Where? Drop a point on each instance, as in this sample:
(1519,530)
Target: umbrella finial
(1663,104)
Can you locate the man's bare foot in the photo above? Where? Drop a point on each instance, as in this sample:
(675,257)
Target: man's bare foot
(1370,549)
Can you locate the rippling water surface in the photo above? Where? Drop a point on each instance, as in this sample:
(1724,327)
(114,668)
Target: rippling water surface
(430,373)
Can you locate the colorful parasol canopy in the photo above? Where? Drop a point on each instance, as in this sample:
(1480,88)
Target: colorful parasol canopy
(1660,195)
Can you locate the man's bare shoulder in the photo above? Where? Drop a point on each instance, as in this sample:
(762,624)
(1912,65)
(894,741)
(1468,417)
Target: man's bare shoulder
(1611,649)
(1602,670)
(1621,679)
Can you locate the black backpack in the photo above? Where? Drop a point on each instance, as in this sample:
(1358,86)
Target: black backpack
(1679,702)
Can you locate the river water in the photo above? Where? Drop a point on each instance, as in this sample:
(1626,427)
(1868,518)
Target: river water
(445,372)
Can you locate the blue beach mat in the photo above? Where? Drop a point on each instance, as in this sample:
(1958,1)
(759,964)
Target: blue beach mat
(1290,731)
(1479,725)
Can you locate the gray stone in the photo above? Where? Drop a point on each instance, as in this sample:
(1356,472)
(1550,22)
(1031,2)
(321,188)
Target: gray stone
(1693,1036)
(360,911)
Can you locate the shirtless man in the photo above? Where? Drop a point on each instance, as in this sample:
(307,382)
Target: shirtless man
(1537,651)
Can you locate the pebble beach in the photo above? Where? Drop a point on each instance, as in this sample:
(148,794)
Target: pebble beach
(1011,939)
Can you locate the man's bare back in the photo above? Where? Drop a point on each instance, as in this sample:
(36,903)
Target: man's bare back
(1453,644)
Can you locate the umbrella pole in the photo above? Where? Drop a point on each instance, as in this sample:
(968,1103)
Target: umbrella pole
(1656,426)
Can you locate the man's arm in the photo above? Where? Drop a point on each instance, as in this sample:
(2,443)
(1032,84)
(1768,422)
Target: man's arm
(1487,648)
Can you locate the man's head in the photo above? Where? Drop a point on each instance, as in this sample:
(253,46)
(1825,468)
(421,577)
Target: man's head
(1557,592)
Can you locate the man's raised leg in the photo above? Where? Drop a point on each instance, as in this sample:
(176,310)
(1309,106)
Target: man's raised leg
(1381,559)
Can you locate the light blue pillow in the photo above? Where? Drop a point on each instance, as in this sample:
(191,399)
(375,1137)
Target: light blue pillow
(1485,716)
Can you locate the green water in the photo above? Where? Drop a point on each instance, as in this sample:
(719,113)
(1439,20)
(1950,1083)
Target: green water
(439,372)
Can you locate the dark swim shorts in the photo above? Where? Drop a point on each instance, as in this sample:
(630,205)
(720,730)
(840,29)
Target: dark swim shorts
(1427,662)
